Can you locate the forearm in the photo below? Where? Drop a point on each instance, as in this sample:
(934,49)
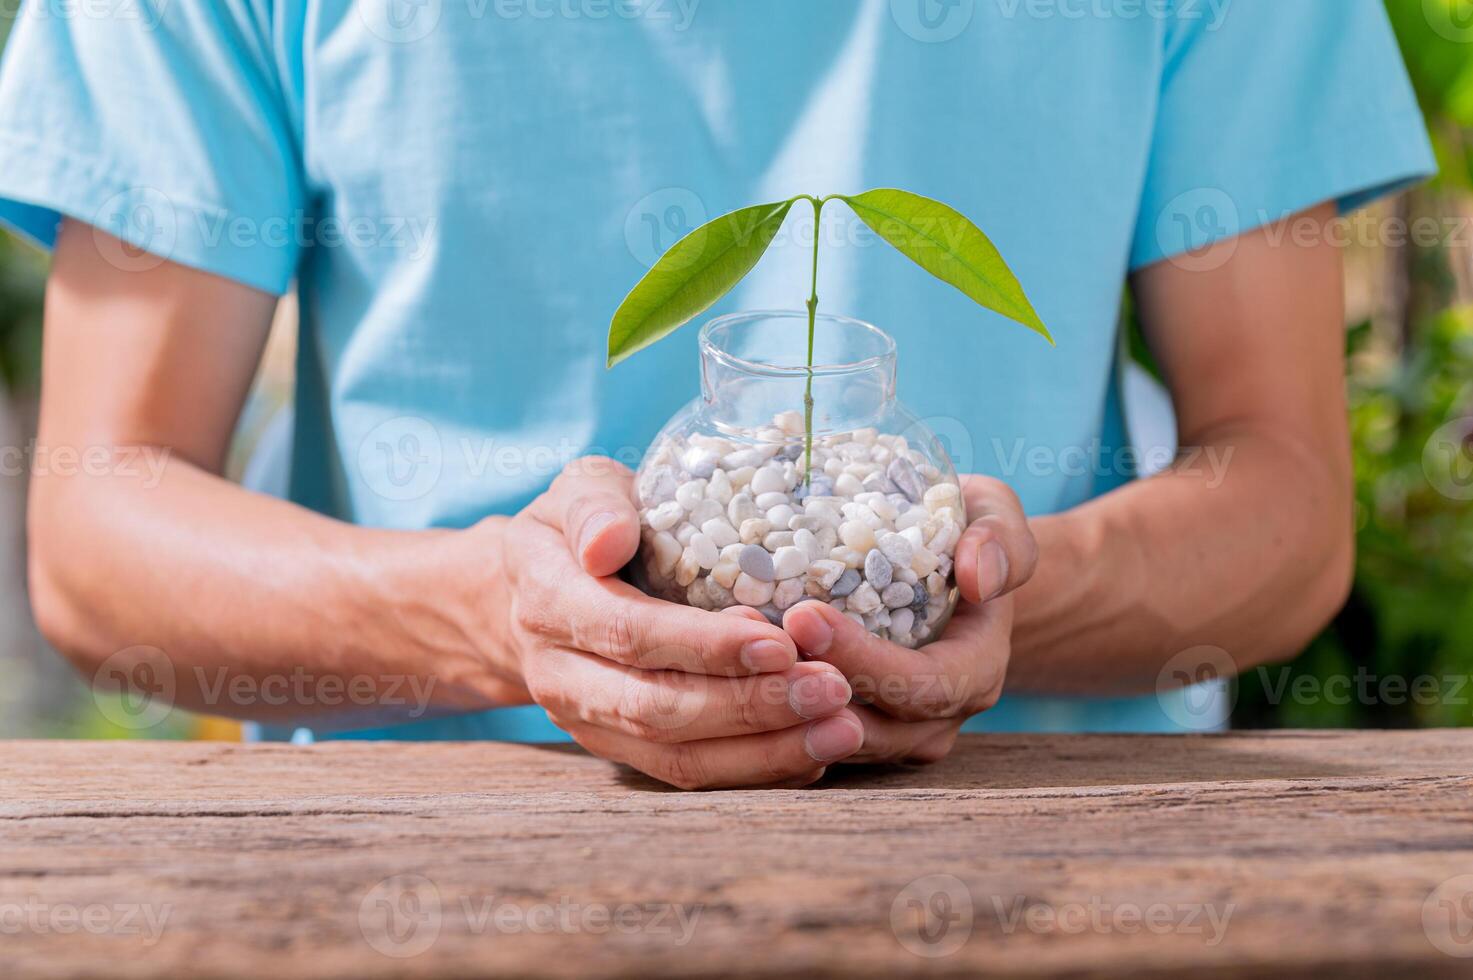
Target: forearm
(1245,545)
(264,609)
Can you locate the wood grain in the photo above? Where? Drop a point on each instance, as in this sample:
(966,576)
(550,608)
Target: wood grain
(1311,852)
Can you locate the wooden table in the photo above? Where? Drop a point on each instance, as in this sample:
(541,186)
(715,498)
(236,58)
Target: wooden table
(1307,853)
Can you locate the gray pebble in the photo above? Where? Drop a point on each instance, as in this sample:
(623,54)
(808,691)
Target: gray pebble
(879,483)
(897,594)
(821,486)
(877,570)
(906,479)
(847,583)
(919,605)
(792,451)
(756,562)
(773,614)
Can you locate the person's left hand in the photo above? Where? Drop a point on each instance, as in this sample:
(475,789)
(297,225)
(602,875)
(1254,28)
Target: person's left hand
(917,700)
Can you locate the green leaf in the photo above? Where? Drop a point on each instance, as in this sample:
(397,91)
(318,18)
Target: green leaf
(942,241)
(692,275)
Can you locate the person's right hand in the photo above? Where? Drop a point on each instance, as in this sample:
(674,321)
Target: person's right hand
(697,699)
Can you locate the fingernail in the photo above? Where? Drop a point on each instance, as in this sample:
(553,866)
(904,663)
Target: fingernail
(992,570)
(811,632)
(833,739)
(818,694)
(590,530)
(766,656)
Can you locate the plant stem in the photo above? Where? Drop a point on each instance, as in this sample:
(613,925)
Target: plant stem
(812,317)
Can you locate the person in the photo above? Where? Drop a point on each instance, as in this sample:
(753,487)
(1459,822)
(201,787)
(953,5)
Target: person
(460,194)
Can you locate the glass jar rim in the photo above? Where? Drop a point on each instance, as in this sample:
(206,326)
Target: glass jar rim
(711,348)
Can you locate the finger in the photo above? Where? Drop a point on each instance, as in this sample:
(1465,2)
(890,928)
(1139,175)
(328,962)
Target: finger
(942,680)
(773,758)
(666,706)
(889,740)
(613,619)
(997,552)
(591,502)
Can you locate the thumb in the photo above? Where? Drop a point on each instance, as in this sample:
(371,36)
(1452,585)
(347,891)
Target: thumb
(997,552)
(591,502)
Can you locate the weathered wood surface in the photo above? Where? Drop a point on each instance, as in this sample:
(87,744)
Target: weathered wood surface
(1319,850)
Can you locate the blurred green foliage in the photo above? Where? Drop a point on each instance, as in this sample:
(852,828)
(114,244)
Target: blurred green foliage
(1408,626)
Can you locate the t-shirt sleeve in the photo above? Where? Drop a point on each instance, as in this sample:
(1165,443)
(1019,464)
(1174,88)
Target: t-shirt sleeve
(1269,107)
(163,124)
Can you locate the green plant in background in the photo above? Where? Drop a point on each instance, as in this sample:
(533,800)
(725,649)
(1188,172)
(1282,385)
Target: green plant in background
(1405,638)
(709,262)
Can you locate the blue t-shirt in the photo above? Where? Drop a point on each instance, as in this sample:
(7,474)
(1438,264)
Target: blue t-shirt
(461,192)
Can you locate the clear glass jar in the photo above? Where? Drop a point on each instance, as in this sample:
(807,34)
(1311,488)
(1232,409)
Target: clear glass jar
(729,517)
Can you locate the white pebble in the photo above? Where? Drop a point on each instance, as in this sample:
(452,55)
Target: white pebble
(718,487)
(789,562)
(807,542)
(725,573)
(691,493)
(787,593)
(901,621)
(705,510)
(768,479)
(790,423)
(754,530)
(667,552)
(684,533)
(771,499)
(780,515)
(923,562)
(826,572)
(720,531)
(857,535)
(778,539)
(750,592)
(847,485)
(703,550)
(666,516)
(864,599)
(896,548)
(943,495)
(686,569)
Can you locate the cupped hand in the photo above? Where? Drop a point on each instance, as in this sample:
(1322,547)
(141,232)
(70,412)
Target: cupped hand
(694,698)
(915,701)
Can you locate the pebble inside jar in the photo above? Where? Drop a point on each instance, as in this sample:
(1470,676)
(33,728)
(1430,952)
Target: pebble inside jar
(739,508)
